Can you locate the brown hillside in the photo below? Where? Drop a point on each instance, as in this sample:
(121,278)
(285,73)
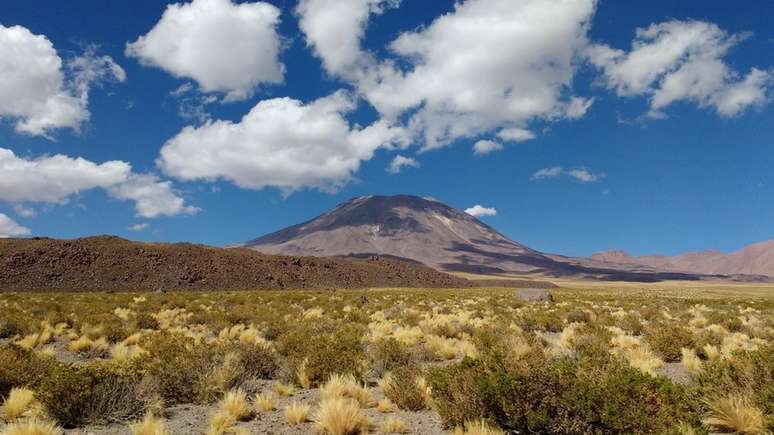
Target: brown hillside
(113,264)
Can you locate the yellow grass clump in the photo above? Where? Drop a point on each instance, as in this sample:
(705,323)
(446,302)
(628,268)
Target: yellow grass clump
(478,427)
(393,425)
(296,413)
(339,416)
(347,387)
(20,403)
(235,404)
(385,406)
(265,402)
(691,361)
(735,413)
(284,390)
(32,426)
(150,425)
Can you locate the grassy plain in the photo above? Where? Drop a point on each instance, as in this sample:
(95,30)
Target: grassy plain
(603,358)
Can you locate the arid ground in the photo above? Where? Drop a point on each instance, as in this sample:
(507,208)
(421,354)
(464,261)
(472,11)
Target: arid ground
(602,358)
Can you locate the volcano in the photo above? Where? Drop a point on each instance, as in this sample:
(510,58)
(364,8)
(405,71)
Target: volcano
(433,233)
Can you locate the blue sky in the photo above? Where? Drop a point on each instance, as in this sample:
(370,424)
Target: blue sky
(662,146)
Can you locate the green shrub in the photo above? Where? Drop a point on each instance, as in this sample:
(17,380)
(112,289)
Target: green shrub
(389,354)
(538,395)
(95,393)
(323,348)
(257,362)
(21,368)
(179,365)
(668,339)
(746,373)
(404,390)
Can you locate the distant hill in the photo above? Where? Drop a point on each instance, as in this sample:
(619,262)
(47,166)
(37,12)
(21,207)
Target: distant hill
(756,259)
(438,235)
(112,264)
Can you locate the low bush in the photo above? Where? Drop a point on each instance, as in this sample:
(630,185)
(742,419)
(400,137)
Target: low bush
(667,340)
(389,354)
(404,386)
(96,393)
(21,368)
(539,395)
(321,349)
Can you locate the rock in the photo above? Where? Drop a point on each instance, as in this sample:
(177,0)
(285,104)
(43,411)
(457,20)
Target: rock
(534,295)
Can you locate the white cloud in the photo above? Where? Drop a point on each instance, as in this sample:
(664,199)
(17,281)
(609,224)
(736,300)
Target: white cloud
(267,147)
(54,179)
(152,197)
(36,93)
(480,211)
(9,228)
(139,227)
(400,162)
(485,147)
(681,60)
(552,172)
(335,29)
(515,134)
(25,212)
(462,80)
(224,46)
(582,175)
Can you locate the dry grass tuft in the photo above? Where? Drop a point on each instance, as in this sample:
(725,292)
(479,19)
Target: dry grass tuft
(347,387)
(265,402)
(393,425)
(20,403)
(478,427)
(338,416)
(32,426)
(284,390)
(385,406)
(691,361)
(235,404)
(150,425)
(296,413)
(735,413)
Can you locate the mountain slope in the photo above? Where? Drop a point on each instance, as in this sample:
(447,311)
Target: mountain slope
(756,259)
(435,234)
(112,264)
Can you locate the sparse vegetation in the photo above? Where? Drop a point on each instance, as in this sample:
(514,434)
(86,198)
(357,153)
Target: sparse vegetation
(595,361)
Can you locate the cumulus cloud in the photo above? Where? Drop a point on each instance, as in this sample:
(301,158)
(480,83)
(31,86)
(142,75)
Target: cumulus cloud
(334,29)
(552,172)
(39,91)
(152,196)
(515,134)
(54,179)
(139,227)
(485,147)
(223,46)
(582,175)
(457,79)
(480,211)
(9,228)
(25,212)
(681,60)
(400,162)
(267,147)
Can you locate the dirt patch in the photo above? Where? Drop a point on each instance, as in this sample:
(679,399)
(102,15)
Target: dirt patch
(113,264)
(193,419)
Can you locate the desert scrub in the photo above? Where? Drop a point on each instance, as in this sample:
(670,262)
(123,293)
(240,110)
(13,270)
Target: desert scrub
(537,394)
(668,340)
(96,393)
(388,354)
(182,367)
(406,388)
(321,349)
(21,368)
(746,374)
